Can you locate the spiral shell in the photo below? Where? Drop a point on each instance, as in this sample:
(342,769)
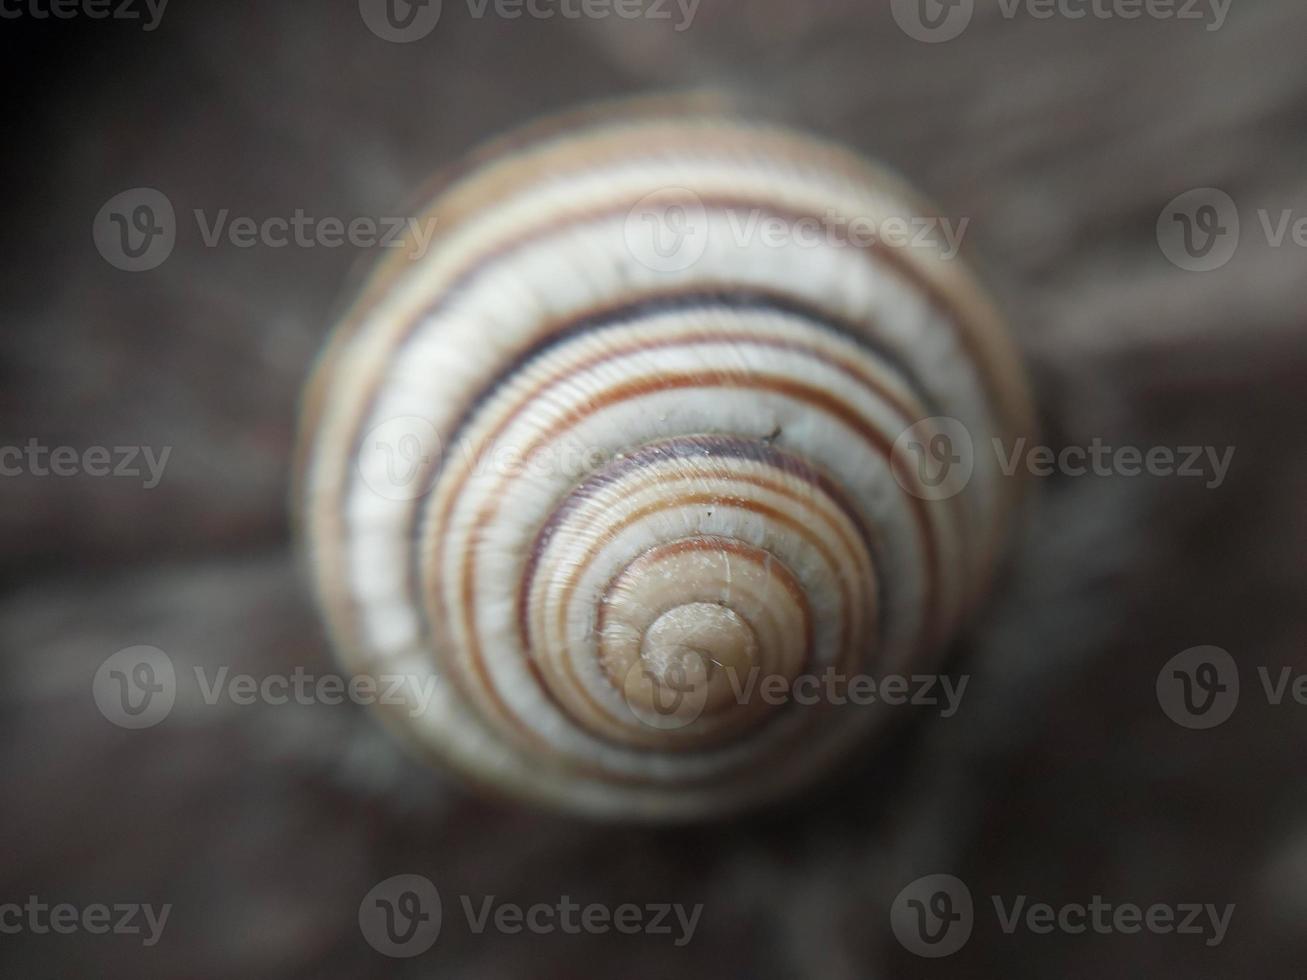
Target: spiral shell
(598,459)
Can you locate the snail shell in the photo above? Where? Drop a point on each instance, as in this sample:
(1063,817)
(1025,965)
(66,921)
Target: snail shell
(597,463)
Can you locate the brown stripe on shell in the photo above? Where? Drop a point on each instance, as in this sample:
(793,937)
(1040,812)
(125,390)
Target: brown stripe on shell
(700,447)
(711,543)
(908,272)
(951,309)
(669,382)
(849,368)
(603,136)
(520,163)
(846,646)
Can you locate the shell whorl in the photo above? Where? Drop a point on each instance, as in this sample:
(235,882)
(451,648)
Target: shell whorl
(629,480)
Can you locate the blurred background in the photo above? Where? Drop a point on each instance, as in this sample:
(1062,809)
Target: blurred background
(1067,140)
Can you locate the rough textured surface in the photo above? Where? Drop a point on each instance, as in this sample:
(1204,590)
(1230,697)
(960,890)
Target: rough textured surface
(264,825)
